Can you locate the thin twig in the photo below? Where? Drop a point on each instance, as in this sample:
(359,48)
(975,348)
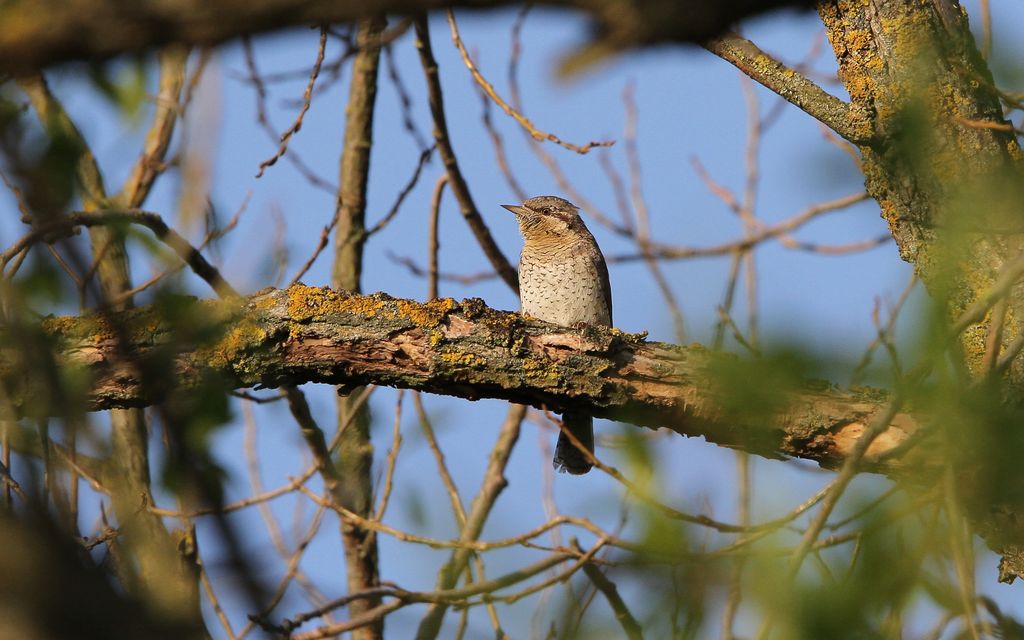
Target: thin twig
(152,221)
(211,236)
(405,191)
(458,184)
(472,523)
(449,596)
(672,512)
(392,459)
(420,272)
(498,143)
(307,99)
(263,119)
(601,582)
(10,484)
(846,474)
(433,240)
(150,164)
(442,467)
(667,252)
(489,89)
(642,235)
(403,95)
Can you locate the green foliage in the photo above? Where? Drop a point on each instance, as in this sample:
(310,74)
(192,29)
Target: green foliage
(124,84)
(192,417)
(751,390)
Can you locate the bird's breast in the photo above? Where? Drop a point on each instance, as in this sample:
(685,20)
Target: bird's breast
(563,290)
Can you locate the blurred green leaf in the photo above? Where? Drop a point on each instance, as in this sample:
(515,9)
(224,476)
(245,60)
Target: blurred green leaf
(752,390)
(124,84)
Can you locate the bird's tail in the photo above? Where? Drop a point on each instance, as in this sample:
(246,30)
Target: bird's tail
(569,459)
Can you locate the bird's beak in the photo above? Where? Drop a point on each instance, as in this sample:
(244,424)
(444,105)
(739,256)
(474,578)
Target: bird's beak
(515,209)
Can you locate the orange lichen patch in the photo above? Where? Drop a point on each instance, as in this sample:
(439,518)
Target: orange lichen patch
(426,314)
(540,371)
(230,350)
(463,359)
(860,87)
(1013,148)
(309,303)
(91,328)
(846,438)
(890,211)
(306,303)
(134,326)
(858,40)
(764,64)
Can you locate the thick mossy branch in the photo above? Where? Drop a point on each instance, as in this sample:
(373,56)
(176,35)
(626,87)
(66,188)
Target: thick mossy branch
(792,85)
(941,160)
(464,349)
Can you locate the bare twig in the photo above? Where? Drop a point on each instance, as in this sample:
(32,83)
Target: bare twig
(307,98)
(392,459)
(10,484)
(642,234)
(292,486)
(449,596)
(211,236)
(513,113)
(601,582)
(442,467)
(675,253)
(789,84)
(263,119)
(493,484)
(500,153)
(152,221)
(843,478)
(433,240)
(403,95)
(151,162)
(420,272)
(735,595)
(405,191)
(458,184)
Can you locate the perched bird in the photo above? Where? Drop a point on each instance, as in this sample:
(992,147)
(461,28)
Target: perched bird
(563,279)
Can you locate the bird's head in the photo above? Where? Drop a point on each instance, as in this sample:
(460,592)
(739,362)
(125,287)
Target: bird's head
(547,218)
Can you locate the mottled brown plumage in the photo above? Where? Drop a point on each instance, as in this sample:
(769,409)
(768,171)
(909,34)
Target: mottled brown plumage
(563,279)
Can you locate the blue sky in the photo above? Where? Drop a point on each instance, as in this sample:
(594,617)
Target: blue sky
(690,105)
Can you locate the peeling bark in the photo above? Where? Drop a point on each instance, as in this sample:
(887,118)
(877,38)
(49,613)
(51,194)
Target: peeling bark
(463,349)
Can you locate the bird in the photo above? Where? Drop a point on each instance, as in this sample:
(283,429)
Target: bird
(563,279)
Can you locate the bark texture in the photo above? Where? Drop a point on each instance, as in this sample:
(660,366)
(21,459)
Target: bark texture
(463,349)
(354,489)
(939,158)
(946,170)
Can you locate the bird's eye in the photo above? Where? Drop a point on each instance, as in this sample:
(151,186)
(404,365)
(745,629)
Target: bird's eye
(546,210)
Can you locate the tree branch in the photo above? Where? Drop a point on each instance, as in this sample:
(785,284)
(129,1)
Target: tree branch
(791,85)
(456,181)
(353,487)
(38,33)
(464,349)
(107,217)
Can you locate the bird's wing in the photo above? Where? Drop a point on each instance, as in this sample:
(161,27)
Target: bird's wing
(606,286)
